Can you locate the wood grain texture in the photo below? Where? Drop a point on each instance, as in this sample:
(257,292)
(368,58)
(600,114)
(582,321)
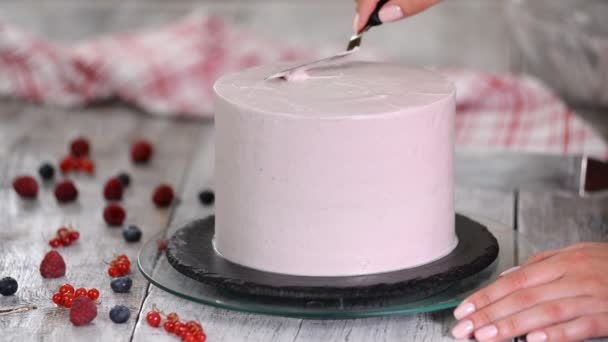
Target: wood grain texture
(26,226)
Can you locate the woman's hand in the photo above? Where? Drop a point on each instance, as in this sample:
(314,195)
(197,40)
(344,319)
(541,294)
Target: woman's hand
(391,11)
(558,295)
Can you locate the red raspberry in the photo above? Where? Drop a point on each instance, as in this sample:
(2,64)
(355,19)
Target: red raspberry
(67,164)
(83,311)
(114,215)
(163,196)
(26,186)
(52,266)
(80,147)
(66,191)
(113,190)
(141,151)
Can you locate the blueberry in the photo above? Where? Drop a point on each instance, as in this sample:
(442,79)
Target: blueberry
(207,197)
(8,286)
(124,178)
(120,314)
(46,171)
(121,284)
(132,233)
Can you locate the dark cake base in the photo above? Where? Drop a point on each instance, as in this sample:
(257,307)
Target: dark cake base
(191,253)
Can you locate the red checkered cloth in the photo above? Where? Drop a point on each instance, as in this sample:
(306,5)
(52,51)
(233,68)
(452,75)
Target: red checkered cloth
(170,71)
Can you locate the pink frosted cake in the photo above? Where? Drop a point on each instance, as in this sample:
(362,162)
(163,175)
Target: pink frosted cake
(345,171)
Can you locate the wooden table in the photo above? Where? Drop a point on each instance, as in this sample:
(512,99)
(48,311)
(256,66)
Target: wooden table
(184,158)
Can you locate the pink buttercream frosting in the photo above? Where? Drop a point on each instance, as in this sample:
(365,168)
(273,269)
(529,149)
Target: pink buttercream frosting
(347,171)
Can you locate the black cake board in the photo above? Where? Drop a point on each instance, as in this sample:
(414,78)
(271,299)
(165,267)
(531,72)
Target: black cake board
(191,253)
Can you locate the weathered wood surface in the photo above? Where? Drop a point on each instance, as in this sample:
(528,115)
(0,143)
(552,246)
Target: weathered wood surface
(31,135)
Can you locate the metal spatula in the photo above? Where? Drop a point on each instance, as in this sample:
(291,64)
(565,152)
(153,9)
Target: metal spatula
(353,45)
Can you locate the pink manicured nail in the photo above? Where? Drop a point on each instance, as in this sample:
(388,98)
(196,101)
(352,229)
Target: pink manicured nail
(356,23)
(463,310)
(512,269)
(462,330)
(390,13)
(536,336)
(486,333)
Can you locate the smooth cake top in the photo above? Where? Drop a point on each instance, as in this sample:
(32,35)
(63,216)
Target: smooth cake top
(349,89)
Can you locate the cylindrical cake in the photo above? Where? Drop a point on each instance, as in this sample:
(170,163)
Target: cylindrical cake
(347,170)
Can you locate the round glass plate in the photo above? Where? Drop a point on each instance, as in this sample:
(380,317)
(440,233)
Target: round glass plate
(155,267)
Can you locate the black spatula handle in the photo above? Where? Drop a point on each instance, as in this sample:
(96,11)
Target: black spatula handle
(374,19)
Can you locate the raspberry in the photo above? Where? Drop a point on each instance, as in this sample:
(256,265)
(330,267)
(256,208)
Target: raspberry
(163,196)
(26,186)
(66,191)
(80,147)
(83,311)
(113,190)
(52,266)
(114,215)
(141,151)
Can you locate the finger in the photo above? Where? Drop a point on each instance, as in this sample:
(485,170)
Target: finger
(539,316)
(541,256)
(596,248)
(364,10)
(522,300)
(524,277)
(411,7)
(580,329)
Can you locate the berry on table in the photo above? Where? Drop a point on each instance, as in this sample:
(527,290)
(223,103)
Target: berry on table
(8,286)
(66,191)
(46,171)
(57,297)
(55,243)
(66,288)
(163,196)
(83,311)
(132,233)
(121,284)
(124,178)
(85,165)
(206,197)
(169,326)
(93,294)
(120,314)
(80,147)
(26,186)
(114,214)
(67,300)
(66,241)
(64,237)
(52,266)
(141,151)
(67,164)
(153,319)
(80,292)
(112,191)
(74,235)
(113,272)
(172,317)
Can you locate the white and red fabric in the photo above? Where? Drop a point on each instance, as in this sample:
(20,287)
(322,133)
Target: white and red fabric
(170,71)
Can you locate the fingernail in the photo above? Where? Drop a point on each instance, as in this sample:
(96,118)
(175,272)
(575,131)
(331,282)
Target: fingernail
(463,310)
(512,269)
(356,23)
(462,330)
(536,336)
(390,13)
(486,333)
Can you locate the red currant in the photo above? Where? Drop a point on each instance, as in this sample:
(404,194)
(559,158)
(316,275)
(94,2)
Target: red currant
(74,235)
(153,319)
(176,326)
(63,231)
(55,243)
(200,337)
(66,241)
(123,268)
(169,326)
(67,164)
(113,272)
(193,326)
(181,330)
(172,317)
(86,165)
(189,337)
(66,288)
(57,298)
(123,258)
(67,299)
(81,292)
(93,294)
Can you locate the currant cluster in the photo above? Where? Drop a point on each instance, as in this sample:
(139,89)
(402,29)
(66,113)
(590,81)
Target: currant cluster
(66,295)
(121,266)
(78,159)
(190,331)
(64,237)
